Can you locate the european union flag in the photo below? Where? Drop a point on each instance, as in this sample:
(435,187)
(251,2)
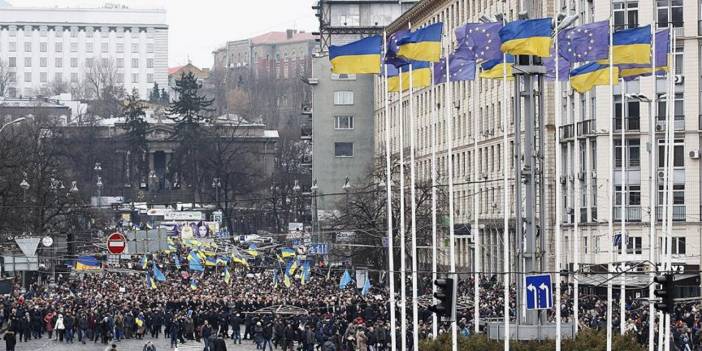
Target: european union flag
(550,65)
(461,68)
(424,44)
(590,75)
(589,42)
(480,41)
(359,57)
(633,71)
(391,49)
(632,45)
(345,280)
(494,69)
(527,37)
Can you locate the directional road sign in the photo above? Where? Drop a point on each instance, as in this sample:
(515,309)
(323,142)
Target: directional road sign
(538,292)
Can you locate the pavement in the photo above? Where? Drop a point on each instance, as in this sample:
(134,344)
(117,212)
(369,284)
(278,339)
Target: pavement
(125,345)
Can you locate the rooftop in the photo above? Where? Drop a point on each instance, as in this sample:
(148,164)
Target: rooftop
(281,37)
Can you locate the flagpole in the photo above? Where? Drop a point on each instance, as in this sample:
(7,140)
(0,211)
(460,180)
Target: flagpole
(388,186)
(413,201)
(403,259)
(625,237)
(652,190)
(434,319)
(559,189)
(506,208)
(669,191)
(449,161)
(475,96)
(610,187)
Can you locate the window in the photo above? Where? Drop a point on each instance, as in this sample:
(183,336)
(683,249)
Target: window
(58,77)
(149,77)
(13,46)
(150,48)
(678,194)
(135,63)
(678,153)
(120,48)
(27,47)
(678,57)
(43,62)
(150,63)
(626,14)
(59,46)
(632,114)
(74,77)
(135,78)
(12,77)
(74,62)
(585,247)
(678,113)
(43,77)
(679,245)
(120,78)
(74,47)
(335,76)
(89,62)
(343,149)
(343,98)
(120,63)
(43,47)
(135,47)
(670,11)
(27,77)
(27,62)
(633,154)
(343,122)
(104,48)
(89,47)
(633,195)
(633,245)
(13,62)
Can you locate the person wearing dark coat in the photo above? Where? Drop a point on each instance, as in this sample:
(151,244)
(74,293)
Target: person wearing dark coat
(235,322)
(219,345)
(174,331)
(10,340)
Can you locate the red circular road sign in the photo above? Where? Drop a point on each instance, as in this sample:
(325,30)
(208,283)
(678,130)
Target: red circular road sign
(116,243)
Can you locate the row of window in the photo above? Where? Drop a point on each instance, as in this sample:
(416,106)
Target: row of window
(58,62)
(74,47)
(634,245)
(633,153)
(626,13)
(74,78)
(28,31)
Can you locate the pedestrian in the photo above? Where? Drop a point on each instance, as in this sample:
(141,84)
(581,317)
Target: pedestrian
(10,340)
(60,327)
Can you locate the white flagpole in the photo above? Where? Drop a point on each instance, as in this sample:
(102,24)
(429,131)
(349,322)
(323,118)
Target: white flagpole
(434,319)
(625,237)
(449,161)
(652,191)
(475,96)
(506,207)
(610,186)
(670,109)
(576,207)
(388,185)
(403,258)
(559,190)
(413,201)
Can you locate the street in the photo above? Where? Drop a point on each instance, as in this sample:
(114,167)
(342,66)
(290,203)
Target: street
(127,345)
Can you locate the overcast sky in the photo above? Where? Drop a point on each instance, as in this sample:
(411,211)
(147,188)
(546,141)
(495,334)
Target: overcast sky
(199,27)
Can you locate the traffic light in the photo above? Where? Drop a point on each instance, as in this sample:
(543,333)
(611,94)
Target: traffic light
(665,292)
(446,298)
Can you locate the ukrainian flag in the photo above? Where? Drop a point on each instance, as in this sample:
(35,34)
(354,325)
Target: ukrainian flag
(144,262)
(287,252)
(585,77)
(252,252)
(629,73)
(494,69)
(87,263)
(632,45)
(423,44)
(286,281)
(362,56)
(210,262)
(227,276)
(193,283)
(240,260)
(527,37)
(421,76)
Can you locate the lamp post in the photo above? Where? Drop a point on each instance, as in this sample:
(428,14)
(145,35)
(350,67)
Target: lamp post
(315,220)
(296,206)
(216,185)
(18,120)
(98,184)
(347,188)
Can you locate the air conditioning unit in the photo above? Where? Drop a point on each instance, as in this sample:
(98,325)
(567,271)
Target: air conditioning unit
(563,179)
(581,175)
(661,175)
(594,175)
(679,79)
(483,175)
(659,127)
(571,178)
(694,154)
(570,210)
(494,205)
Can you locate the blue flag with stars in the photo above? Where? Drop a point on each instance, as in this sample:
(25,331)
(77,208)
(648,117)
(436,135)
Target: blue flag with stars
(589,42)
(480,41)
(461,67)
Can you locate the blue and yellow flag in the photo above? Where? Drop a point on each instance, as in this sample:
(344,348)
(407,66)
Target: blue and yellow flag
(421,76)
(632,71)
(252,252)
(240,260)
(292,267)
(150,282)
(424,44)
(157,273)
(227,276)
(195,262)
(222,260)
(631,46)
(587,76)
(87,263)
(210,262)
(494,69)
(287,252)
(144,262)
(176,260)
(527,37)
(305,273)
(286,281)
(359,57)
(193,283)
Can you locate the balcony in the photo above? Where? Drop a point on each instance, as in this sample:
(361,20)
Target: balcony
(630,123)
(567,132)
(678,123)
(586,128)
(633,213)
(593,214)
(679,213)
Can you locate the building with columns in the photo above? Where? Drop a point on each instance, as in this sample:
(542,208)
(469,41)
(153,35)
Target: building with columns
(584,144)
(48,47)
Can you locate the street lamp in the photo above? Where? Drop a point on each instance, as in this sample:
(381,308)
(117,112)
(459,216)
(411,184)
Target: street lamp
(18,120)
(216,184)
(74,188)
(315,220)
(347,188)
(99,191)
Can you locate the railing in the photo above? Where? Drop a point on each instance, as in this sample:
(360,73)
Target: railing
(567,132)
(587,128)
(633,213)
(593,214)
(678,123)
(679,213)
(631,123)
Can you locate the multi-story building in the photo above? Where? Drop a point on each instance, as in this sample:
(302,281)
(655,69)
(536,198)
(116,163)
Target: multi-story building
(50,47)
(584,143)
(342,105)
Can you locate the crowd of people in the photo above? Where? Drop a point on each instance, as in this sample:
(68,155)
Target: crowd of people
(107,306)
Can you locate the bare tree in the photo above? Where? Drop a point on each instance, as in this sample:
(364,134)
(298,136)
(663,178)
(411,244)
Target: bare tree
(58,86)
(104,88)
(5,76)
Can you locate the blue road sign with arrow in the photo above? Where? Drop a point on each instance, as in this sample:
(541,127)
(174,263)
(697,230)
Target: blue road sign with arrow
(538,292)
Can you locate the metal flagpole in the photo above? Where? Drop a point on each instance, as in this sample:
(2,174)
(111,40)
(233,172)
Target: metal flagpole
(413,201)
(652,190)
(624,236)
(610,186)
(388,185)
(475,96)
(576,204)
(434,319)
(403,259)
(670,143)
(506,207)
(449,161)
(559,189)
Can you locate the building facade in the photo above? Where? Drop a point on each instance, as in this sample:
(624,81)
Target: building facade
(341,114)
(585,145)
(50,47)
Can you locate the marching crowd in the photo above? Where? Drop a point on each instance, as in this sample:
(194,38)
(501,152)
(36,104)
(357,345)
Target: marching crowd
(105,307)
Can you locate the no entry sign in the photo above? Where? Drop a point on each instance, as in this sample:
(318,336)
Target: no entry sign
(116,243)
